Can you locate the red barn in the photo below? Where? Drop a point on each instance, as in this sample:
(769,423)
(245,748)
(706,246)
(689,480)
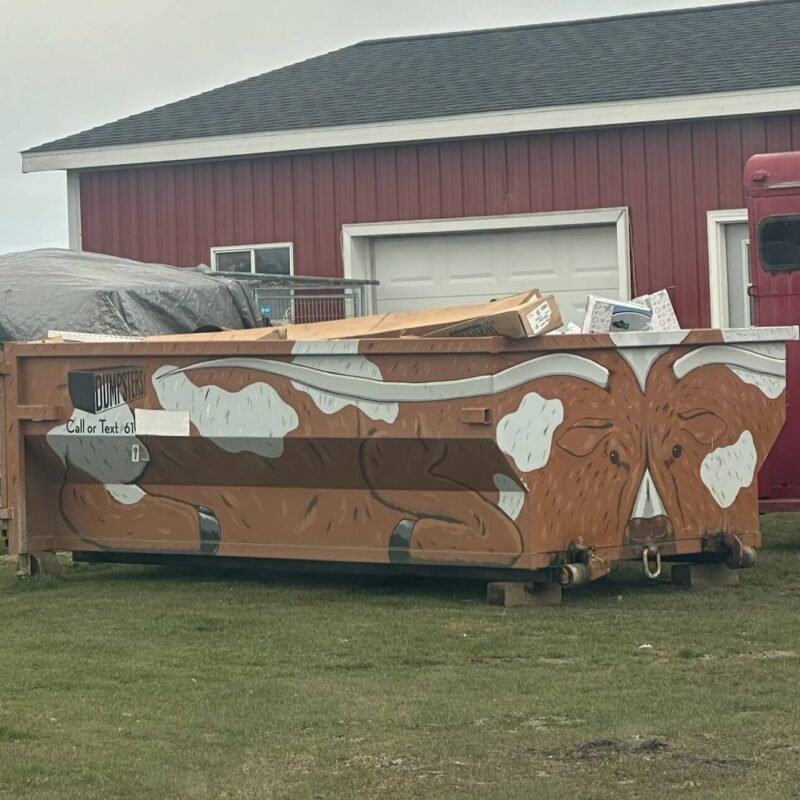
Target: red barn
(599,156)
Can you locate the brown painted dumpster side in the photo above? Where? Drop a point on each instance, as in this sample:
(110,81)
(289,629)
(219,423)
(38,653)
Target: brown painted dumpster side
(483,453)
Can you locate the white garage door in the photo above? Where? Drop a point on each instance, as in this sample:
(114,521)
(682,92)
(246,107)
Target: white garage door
(419,271)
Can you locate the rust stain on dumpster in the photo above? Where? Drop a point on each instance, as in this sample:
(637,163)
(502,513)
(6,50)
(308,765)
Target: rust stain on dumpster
(359,450)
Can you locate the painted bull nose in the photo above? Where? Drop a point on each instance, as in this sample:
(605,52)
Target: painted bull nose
(648,501)
(649,521)
(648,531)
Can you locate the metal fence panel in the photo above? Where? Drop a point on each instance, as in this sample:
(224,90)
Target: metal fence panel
(300,299)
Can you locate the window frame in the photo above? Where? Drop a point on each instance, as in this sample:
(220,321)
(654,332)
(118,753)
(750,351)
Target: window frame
(766,266)
(241,248)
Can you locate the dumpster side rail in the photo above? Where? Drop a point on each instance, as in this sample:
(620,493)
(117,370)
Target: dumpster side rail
(5,511)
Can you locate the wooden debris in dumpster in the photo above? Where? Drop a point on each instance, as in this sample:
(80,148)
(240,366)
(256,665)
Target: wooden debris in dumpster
(248,335)
(519,316)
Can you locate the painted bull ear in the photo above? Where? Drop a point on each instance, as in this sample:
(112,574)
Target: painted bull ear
(703,425)
(584,436)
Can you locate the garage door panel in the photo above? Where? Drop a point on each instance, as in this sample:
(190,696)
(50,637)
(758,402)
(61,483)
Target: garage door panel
(571,302)
(452,269)
(590,281)
(414,303)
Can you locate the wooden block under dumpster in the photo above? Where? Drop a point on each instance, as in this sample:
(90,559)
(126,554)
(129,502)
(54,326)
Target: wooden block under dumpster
(538,459)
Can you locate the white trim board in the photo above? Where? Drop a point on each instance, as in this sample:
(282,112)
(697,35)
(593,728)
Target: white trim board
(717,260)
(358,252)
(74,230)
(565,117)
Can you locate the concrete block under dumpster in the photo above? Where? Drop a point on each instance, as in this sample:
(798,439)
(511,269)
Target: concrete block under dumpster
(539,460)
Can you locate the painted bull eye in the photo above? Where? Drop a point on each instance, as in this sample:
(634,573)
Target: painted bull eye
(614,458)
(677,451)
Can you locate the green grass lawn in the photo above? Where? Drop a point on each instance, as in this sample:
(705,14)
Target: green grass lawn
(150,683)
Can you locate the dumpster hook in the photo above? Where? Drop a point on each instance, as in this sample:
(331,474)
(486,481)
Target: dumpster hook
(646,552)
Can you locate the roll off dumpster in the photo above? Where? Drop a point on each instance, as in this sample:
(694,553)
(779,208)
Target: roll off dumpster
(538,461)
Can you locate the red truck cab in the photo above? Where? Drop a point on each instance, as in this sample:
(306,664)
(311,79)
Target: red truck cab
(772,188)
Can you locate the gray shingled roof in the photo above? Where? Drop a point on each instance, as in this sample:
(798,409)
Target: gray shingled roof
(711,49)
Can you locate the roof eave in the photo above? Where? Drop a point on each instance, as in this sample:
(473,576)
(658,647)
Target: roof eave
(566,117)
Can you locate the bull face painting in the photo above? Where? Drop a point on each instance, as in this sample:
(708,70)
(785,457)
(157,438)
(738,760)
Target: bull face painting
(351,451)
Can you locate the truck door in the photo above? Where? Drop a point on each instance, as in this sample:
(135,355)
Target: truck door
(772,185)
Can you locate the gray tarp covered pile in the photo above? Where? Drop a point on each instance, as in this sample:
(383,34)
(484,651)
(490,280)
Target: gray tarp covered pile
(53,289)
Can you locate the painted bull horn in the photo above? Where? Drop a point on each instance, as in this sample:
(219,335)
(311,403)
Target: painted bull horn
(729,356)
(376,391)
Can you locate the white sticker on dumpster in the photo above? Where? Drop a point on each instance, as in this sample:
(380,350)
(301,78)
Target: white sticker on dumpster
(155,422)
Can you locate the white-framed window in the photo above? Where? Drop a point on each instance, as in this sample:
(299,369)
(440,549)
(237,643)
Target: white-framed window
(276,258)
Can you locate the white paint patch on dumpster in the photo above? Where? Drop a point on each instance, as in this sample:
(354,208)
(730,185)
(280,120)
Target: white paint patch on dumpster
(747,359)
(86,443)
(727,470)
(771,386)
(512,495)
(384,392)
(326,347)
(647,338)
(254,419)
(341,358)
(155,422)
(126,493)
(770,349)
(760,334)
(641,360)
(526,435)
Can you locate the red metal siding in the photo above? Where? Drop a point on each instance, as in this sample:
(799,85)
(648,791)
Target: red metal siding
(688,229)
(519,182)
(668,175)
(451,180)
(430,180)
(408,183)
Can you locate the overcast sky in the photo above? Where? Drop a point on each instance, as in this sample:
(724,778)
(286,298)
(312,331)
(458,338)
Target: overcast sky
(68,65)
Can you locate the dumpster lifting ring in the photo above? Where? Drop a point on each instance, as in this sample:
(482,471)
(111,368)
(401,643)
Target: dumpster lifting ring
(646,551)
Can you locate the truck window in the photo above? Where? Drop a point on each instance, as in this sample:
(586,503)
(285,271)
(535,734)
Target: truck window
(779,243)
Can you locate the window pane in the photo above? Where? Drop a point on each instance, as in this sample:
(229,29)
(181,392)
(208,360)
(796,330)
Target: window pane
(779,243)
(273,261)
(234,261)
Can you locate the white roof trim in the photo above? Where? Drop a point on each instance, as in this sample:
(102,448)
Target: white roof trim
(593,115)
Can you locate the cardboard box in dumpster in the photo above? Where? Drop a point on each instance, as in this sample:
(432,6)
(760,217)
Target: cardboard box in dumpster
(649,312)
(414,323)
(664,318)
(615,316)
(535,316)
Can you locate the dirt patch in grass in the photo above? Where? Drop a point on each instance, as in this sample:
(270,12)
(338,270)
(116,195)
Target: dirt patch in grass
(770,654)
(646,748)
